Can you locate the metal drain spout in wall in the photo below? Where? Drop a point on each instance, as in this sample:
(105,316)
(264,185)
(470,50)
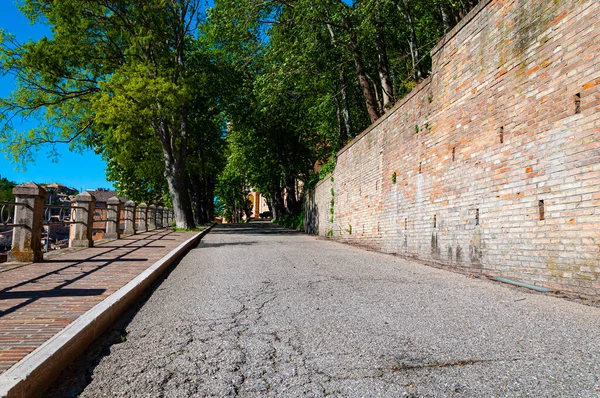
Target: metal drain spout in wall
(523,284)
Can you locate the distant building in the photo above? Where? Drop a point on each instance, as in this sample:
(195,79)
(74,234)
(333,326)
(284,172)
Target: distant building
(59,194)
(57,234)
(102,195)
(259,204)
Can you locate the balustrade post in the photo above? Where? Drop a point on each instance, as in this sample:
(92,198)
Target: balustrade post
(27,238)
(113,218)
(129,218)
(151,217)
(165,222)
(143,221)
(159,216)
(81,231)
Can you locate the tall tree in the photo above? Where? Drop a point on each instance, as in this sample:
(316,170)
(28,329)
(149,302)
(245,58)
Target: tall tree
(120,63)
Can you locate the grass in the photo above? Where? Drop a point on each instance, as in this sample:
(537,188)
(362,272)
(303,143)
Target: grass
(292,222)
(199,228)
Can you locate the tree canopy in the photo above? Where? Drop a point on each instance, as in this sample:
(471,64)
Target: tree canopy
(183,101)
(318,73)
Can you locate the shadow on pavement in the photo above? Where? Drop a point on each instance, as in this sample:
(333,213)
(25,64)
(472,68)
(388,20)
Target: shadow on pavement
(253,228)
(37,294)
(98,258)
(209,245)
(76,376)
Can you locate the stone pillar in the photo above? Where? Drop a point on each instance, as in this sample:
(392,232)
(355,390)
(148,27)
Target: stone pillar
(27,239)
(151,217)
(129,218)
(166,223)
(80,234)
(159,216)
(113,218)
(143,220)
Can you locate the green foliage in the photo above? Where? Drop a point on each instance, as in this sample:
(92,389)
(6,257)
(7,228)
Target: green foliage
(292,222)
(394,176)
(131,79)
(232,193)
(255,93)
(197,228)
(6,188)
(332,205)
(315,74)
(326,169)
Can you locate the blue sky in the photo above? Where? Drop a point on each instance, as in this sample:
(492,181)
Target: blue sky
(80,171)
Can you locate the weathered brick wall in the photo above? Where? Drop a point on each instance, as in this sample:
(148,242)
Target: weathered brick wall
(318,208)
(496,156)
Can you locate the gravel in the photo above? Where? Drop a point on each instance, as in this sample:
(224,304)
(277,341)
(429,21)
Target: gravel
(256,310)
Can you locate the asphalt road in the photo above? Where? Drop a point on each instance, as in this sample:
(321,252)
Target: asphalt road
(259,311)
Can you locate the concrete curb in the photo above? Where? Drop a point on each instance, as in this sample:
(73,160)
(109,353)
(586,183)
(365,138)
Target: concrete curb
(34,373)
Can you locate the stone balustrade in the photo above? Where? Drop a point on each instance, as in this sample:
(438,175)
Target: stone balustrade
(29,221)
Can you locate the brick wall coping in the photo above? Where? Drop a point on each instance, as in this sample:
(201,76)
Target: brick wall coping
(422,85)
(326,178)
(441,43)
(463,22)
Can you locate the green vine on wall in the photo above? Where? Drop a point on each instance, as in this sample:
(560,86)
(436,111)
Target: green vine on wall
(331,209)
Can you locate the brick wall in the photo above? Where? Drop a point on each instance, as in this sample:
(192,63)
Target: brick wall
(318,208)
(495,158)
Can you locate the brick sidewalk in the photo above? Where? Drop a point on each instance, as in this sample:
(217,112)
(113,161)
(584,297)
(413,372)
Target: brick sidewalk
(39,300)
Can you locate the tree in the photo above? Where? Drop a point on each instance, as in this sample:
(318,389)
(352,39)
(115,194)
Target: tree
(378,49)
(110,66)
(6,188)
(288,82)
(232,190)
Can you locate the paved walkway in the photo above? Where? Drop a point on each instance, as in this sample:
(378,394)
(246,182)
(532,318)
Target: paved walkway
(260,311)
(39,300)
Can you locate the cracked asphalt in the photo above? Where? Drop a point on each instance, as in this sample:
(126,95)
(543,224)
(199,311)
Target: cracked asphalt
(256,310)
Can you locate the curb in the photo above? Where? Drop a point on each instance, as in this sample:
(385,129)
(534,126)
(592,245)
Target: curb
(34,373)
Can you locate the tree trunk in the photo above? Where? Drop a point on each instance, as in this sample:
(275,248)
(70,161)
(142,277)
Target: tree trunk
(345,106)
(338,114)
(202,192)
(376,92)
(291,203)
(182,206)
(445,21)
(383,68)
(370,101)
(196,190)
(176,175)
(207,201)
(360,69)
(277,206)
(412,41)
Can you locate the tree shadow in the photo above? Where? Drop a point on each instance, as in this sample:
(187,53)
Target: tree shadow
(78,374)
(209,245)
(131,247)
(37,294)
(253,228)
